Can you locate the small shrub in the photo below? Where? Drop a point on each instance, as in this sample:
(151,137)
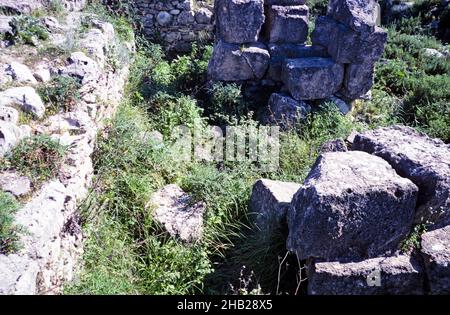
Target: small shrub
(61,93)
(27,30)
(169,112)
(185,74)
(382,109)
(122,21)
(225,103)
(412,242)
(318,7)
(55,7)
(8,236)
(38,157)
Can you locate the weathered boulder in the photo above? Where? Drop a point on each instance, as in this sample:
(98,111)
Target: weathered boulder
(270,201)
(287,24)
(5,27)
(346,45)
(10,135)
(20,6)
(436,253)
(232,62)
(312,78)
(423,160)
(358,80)
(25,98)
(433,53)
(42,73)
(9,114)
(239,21)
(203,16)
(15,184)
(286,111)
(325,31)
(359,15)
(164,18)
(186,17)
(74,5)
(19,73)
(18,275)
(352,47)
(95,44)
(280,52)
(81,67)
(51,23)
(106,28)
(394,275)
(337,145)
(174,210)
(352,205)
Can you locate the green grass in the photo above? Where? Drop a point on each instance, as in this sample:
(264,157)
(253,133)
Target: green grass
(8,230)
(121,23)
(130,169)
(27,30)
(411,87)
(60,94)
(128,253)
(38,157)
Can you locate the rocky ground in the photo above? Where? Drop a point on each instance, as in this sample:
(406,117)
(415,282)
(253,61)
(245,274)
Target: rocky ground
(94,199)
(76,45)
(349,217)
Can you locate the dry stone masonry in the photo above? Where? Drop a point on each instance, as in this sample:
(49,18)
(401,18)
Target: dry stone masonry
(346,201)
(173,209)
(52,242)
(352,213)
(177,24)
(264,41)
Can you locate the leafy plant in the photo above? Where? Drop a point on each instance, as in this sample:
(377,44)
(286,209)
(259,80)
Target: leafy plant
(61,93)
(412,242)
(39,157)
(225,102)
(27,30)
(8,230)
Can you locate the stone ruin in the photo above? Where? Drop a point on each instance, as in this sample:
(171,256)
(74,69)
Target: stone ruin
(176,24)
(348,220)
(264,41)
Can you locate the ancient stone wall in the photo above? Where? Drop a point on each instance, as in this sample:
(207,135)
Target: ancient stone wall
(351,216)
(265,41)
(51,241)
(176,24)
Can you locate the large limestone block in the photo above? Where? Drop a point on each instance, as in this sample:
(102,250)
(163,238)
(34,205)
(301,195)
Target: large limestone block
(25,98)
(232,62)
(239,21)
(312,78)
(81,67)
(423,160)
(436,252)
(384,276)
(360,15)
(287,24)
(174,210)
(358,80)
(352,205)
(269,202)
(346,45)
(280,52)
(285,111)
